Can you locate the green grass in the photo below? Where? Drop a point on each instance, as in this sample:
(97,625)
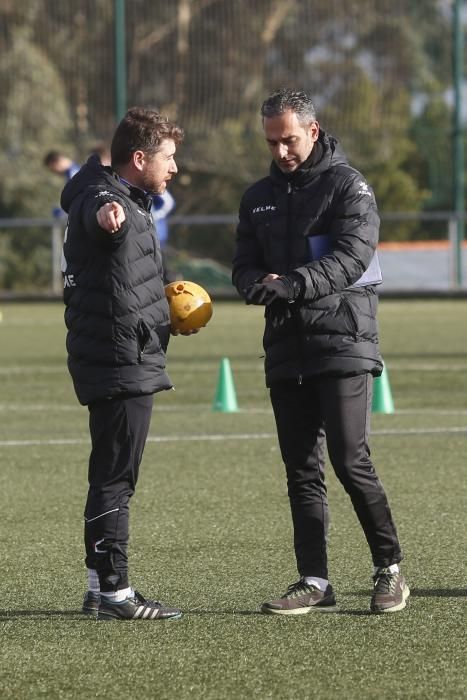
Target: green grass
(211,529)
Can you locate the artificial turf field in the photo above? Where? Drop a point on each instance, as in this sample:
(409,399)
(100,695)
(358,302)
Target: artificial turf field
(211,530)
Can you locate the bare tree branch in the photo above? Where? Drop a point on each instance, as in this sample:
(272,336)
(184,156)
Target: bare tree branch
(275,19)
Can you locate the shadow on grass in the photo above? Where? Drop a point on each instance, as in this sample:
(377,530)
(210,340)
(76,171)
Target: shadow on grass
(438,592)
(428,592)
(221,611)
(77,615)
(43,614)
(258,613)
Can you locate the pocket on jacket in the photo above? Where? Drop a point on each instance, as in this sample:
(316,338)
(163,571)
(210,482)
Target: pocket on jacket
(360,307)
(143,336)
(350,315)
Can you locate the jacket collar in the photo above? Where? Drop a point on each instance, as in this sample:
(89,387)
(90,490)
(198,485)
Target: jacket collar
(137,194)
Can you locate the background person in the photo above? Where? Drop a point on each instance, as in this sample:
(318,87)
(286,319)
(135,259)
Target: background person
(162,205)
(102,150)
(306,244)
(60,164)
(118,325)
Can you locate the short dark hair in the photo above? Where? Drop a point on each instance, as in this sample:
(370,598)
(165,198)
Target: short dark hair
(142,129)
(51,157)
(296,101)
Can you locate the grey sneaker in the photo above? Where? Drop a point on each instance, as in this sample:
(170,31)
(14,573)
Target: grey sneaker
(91,603)
(135,607)
(390,592)
(299,599)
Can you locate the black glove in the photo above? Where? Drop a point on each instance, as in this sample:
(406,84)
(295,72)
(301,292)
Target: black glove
(287,288)
(257,293)
(279,315)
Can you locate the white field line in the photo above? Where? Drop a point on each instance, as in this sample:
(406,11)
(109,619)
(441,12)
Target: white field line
(32,323)
(158,407)
(200,408)
(426,367)
(249,367)
(206,408)
(31,369)
(234,436)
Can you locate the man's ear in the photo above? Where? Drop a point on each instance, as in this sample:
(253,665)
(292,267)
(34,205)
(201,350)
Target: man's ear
(314,130)
(138,158)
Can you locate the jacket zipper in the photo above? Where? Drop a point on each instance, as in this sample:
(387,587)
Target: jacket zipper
(288,261)
(289,233)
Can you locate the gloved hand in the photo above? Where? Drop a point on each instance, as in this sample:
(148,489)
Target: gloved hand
(263,292)
(287,288)
(279,315)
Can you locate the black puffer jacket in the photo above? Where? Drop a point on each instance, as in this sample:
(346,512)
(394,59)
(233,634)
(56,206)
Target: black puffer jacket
(116,310)
(322,223)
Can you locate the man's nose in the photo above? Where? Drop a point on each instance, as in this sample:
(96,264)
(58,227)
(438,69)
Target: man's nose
(173,167)
(282,150)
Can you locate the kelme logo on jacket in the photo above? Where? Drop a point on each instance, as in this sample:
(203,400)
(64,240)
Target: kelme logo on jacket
(266,207)
(363,188)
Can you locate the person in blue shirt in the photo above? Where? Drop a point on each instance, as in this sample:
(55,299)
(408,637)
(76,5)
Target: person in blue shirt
(162,205)
(60,164)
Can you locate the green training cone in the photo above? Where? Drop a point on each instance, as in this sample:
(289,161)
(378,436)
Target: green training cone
(382,395)
(226,397)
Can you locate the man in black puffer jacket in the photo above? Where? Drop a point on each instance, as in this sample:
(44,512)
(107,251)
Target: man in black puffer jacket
(306,250)
(118,324)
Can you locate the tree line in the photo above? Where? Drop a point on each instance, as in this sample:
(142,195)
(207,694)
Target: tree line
(379,72)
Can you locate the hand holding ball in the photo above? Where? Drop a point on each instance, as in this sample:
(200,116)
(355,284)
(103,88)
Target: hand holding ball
(190,307)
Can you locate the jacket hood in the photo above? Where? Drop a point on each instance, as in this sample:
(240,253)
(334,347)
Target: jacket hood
(329,154)
(93,173)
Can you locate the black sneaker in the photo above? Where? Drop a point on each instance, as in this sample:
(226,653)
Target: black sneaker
(135,607)
(91,603)
(390,592)
(301,598)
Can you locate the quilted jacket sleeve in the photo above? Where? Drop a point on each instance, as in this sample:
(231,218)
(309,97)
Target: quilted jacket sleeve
(353,235)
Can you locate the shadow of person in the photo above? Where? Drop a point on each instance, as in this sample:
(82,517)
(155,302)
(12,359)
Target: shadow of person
(42,614)
(438,592)
(78,615)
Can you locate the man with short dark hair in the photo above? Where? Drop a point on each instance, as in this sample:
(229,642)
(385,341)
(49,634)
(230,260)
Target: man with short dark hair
(118,324)
(60,164)
(306,251)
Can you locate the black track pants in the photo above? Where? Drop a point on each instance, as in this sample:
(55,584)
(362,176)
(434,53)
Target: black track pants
(119,428)
(333,411)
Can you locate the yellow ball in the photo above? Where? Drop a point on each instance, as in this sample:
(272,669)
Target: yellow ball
(190,306)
